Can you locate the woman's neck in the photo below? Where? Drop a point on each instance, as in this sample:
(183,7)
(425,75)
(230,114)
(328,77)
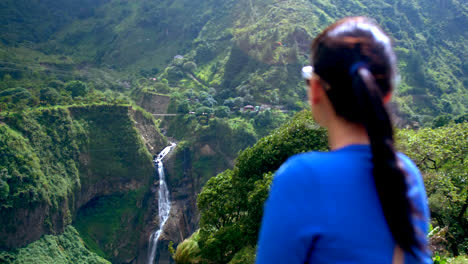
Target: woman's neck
(342,133)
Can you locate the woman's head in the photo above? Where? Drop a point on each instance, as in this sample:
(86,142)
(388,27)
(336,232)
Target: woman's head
(342,50)
(354,67)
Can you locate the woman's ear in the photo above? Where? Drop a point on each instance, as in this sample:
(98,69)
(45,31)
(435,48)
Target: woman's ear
(387,97)
(315,91)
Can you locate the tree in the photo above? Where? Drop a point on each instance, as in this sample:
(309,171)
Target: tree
(461,119)
(77,88)
(183,107)
(222,111)
(161,87)
(4,188)
(190,66)
(239,102)
(174,74)
(229,103)
(442,154)
(49,95)
(207,99)
(442,120)
(204,110)
(231,204)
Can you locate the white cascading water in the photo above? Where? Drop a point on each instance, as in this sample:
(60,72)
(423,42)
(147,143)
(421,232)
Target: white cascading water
(164,204)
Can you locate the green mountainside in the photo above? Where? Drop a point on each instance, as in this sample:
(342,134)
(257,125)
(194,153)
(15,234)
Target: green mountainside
(58,164)
(81,81)
(248,49)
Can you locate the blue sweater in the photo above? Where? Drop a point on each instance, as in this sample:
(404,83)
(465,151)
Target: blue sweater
(323,208)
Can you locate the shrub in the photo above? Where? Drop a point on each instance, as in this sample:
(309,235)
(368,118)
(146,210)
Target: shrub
(76,88)
(190,66)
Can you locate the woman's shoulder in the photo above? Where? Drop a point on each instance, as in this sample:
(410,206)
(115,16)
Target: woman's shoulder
(299,162)
(302,167)
(315,163)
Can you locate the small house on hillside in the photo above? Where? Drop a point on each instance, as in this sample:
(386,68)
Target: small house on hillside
(249,108)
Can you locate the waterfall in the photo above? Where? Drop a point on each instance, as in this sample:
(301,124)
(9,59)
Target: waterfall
(164,204)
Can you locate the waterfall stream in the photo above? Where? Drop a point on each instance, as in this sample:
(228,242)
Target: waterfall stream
(164,203)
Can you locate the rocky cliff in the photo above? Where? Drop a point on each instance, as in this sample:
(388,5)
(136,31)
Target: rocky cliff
(83,165)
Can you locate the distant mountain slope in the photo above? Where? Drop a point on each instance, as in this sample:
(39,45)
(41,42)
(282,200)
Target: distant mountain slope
(251,48)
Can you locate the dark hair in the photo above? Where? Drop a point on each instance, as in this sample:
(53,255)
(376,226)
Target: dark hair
(355,58)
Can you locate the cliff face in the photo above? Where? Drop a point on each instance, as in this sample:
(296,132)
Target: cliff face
(86,165)
(153,103)
(185,180)
(183,218)
(151,136)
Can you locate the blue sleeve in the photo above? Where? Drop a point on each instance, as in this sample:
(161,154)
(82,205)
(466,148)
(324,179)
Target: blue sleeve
(284,235)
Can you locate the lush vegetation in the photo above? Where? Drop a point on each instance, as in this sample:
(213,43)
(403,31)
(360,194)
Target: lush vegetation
(442,155)
(109,220)
(224,49)
(231,203)
(42,150)
(66,248)
(70,72)
(52,157)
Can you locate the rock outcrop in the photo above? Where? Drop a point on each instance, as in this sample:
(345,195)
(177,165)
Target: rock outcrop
(154,103)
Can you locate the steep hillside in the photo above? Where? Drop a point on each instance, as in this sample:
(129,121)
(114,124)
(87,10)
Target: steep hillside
(86,166)
(249,49)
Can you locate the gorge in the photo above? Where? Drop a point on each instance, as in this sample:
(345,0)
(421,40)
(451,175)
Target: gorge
(90,90)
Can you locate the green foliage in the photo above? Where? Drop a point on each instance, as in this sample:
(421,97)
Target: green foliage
(244,256)
(222,111)
(442,156)
(439,260)
(188,251)
(231,204)
(76,88)
(190,66)
(457,260)
(183,107)
(70,53)
(66,248)
(441,121)
(230,46)
(109,220)
(16,98)
(209,147)
(174,74)
(49,153)
(49,95)
(266,121)
(49,176)
(298,135)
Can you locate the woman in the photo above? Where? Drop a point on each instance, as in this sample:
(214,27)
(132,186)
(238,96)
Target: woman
(361,202)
